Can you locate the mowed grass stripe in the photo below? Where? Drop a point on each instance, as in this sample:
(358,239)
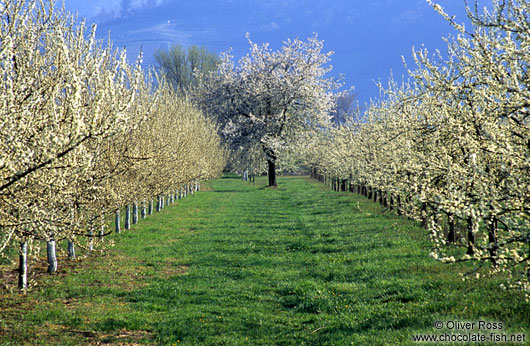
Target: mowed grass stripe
(242,264)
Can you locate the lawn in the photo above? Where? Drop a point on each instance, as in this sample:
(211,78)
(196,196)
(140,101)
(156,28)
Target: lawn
(243,264)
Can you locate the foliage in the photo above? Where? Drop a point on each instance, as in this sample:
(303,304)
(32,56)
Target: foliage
(270,99)
(83,132)
(452,146)
(184,68)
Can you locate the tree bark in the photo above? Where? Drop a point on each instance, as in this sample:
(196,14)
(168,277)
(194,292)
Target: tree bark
(90,242)
(117,221)
(128,216)
(272,172)
(424,215)
(135,213)
(492,238)
(71,250)
(144,211)
(52,257)
(451,235)
(23,266)
(470,237)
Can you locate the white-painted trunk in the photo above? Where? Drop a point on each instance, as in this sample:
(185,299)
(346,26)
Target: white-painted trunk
(144,210)
(151,202)
(128,216)
(101,232)
(52,257)
(71,249)
(90,243)
(23,266)
(117,221)
(135,213)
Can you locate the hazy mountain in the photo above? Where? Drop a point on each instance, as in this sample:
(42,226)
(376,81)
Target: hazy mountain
(368,37)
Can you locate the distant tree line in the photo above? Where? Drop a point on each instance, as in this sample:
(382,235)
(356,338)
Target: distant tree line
(183,67)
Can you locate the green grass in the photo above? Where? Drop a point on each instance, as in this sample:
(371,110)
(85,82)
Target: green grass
(242,264)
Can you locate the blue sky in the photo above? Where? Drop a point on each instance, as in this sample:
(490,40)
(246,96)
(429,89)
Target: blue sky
(368,36)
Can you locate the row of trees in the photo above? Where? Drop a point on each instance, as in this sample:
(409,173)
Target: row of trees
(83,132)
(451,147)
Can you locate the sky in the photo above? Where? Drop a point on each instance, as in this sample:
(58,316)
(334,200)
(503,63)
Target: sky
(368,37)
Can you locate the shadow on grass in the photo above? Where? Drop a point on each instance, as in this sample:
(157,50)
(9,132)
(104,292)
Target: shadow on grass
(231,176)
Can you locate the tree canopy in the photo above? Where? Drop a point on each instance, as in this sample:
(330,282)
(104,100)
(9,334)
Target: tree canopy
(183,67)
(271,99)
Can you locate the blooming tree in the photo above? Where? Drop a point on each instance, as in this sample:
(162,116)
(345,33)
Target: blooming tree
(83,133)
(451,148)
(271,97)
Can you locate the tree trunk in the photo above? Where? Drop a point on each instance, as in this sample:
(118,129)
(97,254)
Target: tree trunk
(451,235)
(101,232)
(128,216)
(150,212)
(424,215)
(117,221)
(71,250)
(23,266)
(470,237)
(272,172)
(135,213)
(90,242)
(52,257)
(144,211)
(492,239)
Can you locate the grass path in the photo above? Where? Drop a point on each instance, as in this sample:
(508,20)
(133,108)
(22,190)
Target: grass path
(241,264)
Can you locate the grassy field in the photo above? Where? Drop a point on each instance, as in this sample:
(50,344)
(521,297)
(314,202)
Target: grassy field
(241,264)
